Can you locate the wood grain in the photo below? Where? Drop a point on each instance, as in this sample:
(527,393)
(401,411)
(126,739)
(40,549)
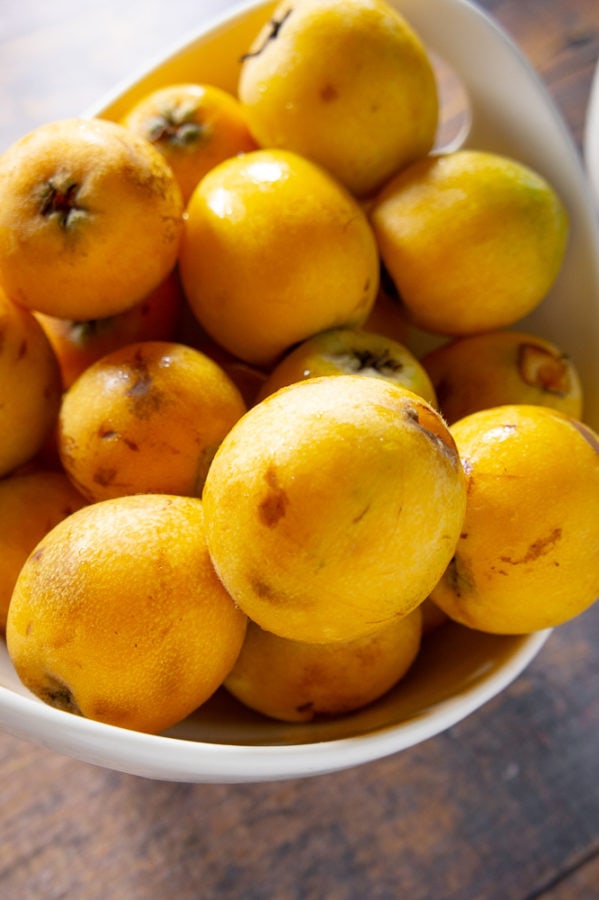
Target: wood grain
(504,806)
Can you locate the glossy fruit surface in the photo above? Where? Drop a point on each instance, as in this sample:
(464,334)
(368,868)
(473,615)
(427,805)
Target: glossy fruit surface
(346,84)
(274,251)
(146,418)
(472,240)
(528,554)
(333,507)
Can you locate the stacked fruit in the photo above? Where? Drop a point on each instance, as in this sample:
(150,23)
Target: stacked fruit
(223,461)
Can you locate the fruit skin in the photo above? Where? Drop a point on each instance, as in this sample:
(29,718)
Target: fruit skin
(90,219)
(296,682)
(274,250)
(472,240)
(146,418)
(331,80)
(351,351)
(528,555)
(79,344)
(118,615)
(194,126)
(31,503)
(499,368)
(334,506)
(30,386)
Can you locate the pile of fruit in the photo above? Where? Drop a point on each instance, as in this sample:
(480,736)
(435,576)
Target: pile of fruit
(222,461)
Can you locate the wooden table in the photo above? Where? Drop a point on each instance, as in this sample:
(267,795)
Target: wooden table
(503,806)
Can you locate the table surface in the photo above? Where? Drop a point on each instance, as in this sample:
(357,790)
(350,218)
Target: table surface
(503,805)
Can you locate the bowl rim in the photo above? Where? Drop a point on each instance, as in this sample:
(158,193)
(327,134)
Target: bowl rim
(591,135)
(175,759)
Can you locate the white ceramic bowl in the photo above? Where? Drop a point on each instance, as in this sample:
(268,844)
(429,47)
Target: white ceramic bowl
(591,136)
(458,670)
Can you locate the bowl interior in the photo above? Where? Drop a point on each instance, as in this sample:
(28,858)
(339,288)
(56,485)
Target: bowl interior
(458,669)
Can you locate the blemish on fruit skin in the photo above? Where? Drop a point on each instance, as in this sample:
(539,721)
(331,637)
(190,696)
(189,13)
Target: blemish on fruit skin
(542,369)
(262,589)
(55,693)
(468,469)
(142,379)
(328,93)
(538,548)
(360,515)
(104,476)
(37,554)
(275,26)
(274,505)
(105,433)
(146,400)
(457,578)
(171,229)
(383,363)
(433,427)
